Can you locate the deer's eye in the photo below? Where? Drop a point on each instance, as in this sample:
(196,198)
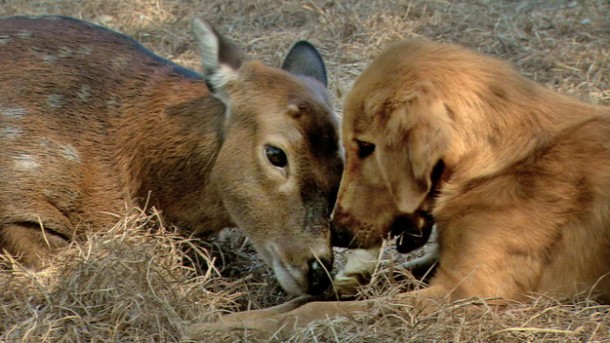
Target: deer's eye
(365,149)
(276,156)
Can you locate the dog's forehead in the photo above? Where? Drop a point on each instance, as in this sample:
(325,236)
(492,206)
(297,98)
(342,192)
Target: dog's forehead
(367,102)
(353,110)
(362,116)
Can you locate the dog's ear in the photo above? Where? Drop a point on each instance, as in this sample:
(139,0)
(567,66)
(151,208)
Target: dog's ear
(418,133)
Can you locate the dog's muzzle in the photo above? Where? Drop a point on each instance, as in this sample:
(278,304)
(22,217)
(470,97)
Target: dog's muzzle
(413,231)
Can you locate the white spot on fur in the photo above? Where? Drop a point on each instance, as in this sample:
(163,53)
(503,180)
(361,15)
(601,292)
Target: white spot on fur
(24,34)
(53,148)
(10,132)
(55,101)
(84,93)
(112,101)
(84,50)
(25,163)
(64,52)
(49,58)
(46,143)
(16,112)
(119,63)
(69,152)
(4,39)
(48,193)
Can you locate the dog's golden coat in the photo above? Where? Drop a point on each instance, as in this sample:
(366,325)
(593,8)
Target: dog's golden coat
(517,178)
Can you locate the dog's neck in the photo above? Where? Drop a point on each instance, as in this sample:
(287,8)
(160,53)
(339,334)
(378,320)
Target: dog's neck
(494,130)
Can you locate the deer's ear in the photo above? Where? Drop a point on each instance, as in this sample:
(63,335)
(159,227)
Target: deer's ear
(304,59)
(220,57)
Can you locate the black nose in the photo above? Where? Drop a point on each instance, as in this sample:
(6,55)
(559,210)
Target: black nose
(319,275)
(341,238)
(341,235)
(413,231)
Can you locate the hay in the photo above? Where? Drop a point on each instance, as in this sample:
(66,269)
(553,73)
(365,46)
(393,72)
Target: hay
(131,283)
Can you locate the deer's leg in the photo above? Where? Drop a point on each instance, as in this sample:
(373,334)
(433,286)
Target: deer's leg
(269,323)
(29,242)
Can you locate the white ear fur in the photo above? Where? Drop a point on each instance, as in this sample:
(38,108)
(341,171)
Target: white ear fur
(216,73)
(208,43)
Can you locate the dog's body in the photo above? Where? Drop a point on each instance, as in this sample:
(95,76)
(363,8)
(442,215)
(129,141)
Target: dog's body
(516,177)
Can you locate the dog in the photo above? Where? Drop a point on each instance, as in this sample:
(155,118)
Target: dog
(515,177)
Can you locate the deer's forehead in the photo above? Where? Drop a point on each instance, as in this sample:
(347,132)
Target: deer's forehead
(296,108)
(261,81)
(322,132)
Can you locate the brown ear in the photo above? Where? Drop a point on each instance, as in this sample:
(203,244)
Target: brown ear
(418,134)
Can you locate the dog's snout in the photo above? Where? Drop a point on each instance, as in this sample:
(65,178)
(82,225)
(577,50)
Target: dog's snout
(319,275)
(413,231)
(341,235)
(341,238)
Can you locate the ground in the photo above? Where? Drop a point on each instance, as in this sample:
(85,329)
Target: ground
(131,283)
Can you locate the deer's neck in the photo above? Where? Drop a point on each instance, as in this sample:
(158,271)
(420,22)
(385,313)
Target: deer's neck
(169,135)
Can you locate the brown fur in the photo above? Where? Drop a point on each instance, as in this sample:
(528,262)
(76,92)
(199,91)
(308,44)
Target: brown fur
(521,196)
(92,123)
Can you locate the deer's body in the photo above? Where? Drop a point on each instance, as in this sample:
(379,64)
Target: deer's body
(92,123)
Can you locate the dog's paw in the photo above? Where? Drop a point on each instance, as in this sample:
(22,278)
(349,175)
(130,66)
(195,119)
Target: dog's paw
(357,271)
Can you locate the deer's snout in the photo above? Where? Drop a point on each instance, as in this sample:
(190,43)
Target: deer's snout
(319,275)
(301,269)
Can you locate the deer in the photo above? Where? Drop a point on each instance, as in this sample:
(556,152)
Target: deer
(91,123)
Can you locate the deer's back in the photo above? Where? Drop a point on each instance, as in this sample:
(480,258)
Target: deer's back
(63,86)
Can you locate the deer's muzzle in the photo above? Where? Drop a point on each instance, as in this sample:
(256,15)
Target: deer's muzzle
(319,275)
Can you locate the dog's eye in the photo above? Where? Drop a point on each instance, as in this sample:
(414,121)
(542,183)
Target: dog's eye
(276,156)
(365,149)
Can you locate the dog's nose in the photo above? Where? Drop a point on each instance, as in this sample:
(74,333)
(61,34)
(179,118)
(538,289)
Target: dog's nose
(319,275)
(341,237)
(413,231)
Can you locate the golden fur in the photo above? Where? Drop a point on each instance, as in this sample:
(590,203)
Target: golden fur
(516,177)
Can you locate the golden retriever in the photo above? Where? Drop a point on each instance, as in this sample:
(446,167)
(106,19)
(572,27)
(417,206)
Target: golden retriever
(516,178)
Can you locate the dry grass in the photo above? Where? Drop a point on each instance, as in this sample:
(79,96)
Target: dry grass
(132,283)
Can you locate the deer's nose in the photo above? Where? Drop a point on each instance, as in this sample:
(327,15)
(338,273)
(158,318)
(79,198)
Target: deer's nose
(319,275)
